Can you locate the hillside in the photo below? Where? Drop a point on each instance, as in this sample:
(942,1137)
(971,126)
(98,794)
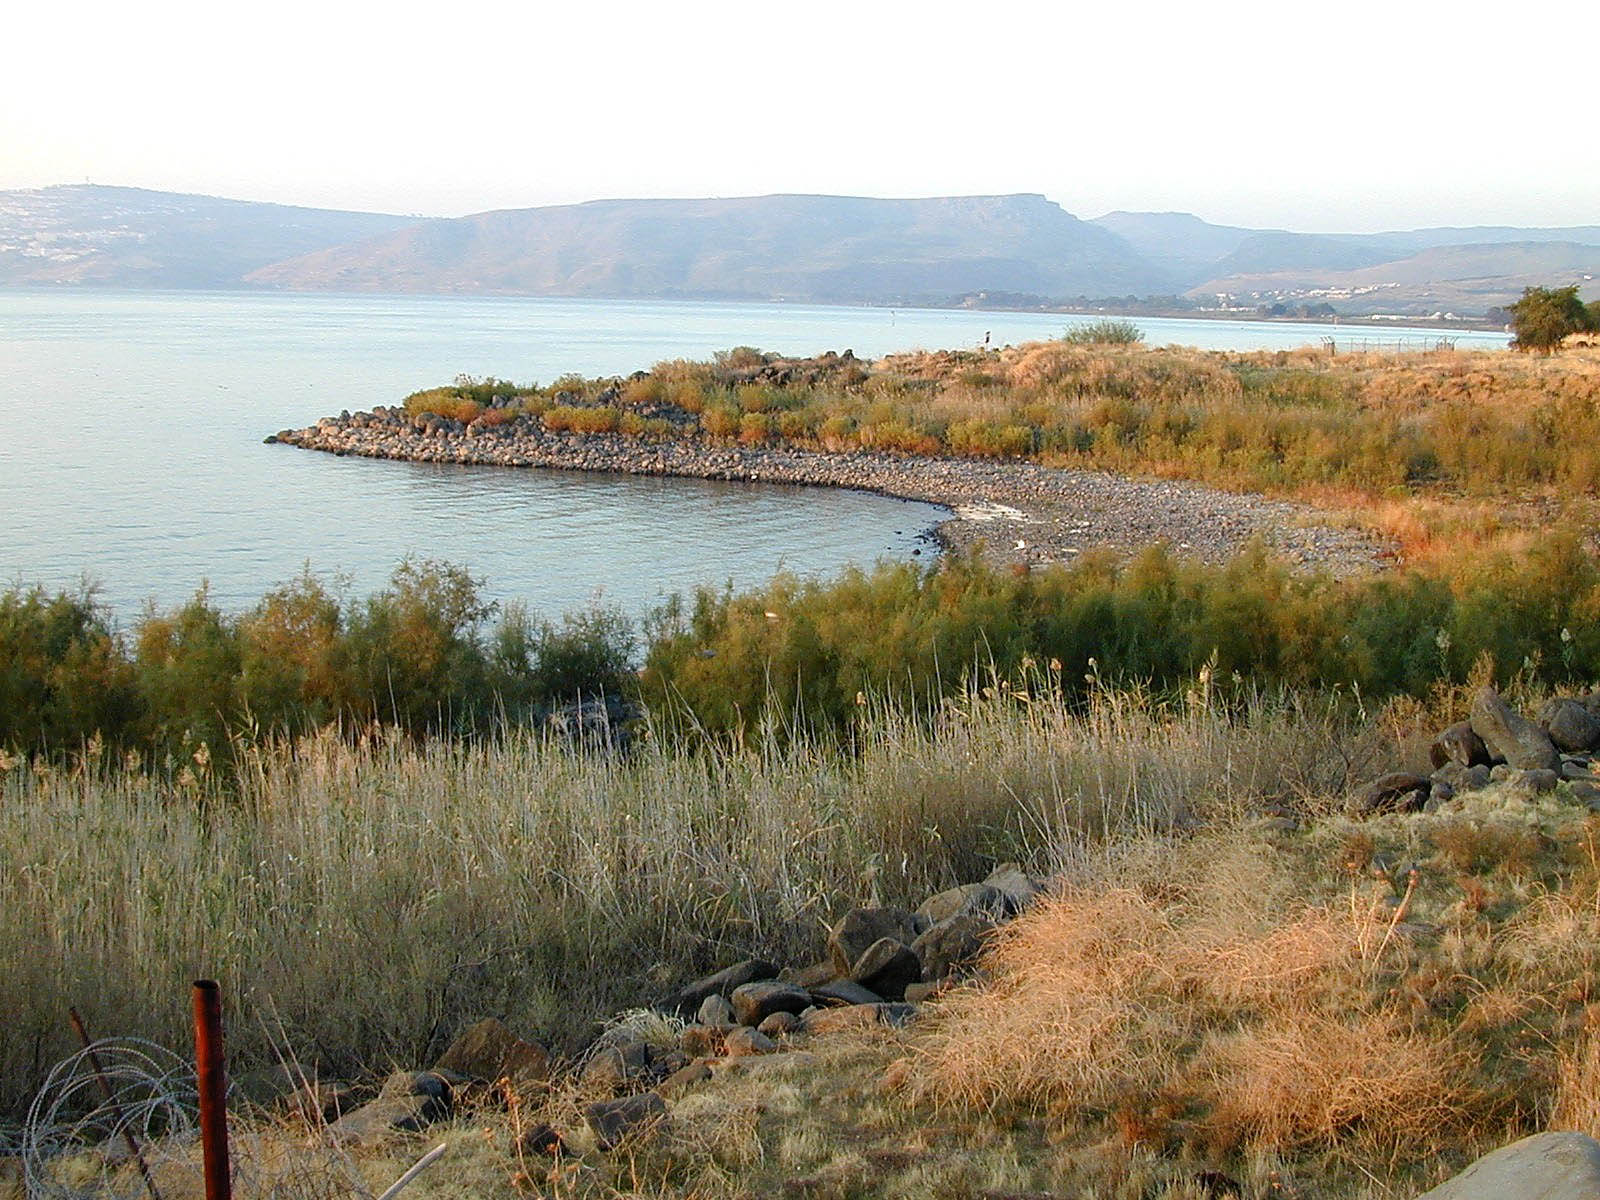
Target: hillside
(130,237)
(1470,278)
(991,250)
(820,248)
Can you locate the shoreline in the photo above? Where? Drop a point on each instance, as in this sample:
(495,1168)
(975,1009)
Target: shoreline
(1017,513)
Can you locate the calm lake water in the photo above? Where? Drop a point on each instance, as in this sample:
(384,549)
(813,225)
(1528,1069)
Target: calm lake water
(131,427)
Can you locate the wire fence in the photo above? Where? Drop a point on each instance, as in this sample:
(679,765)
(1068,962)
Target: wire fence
(1419,344)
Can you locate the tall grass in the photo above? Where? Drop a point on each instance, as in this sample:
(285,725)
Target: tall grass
(375,895)
(1233,995)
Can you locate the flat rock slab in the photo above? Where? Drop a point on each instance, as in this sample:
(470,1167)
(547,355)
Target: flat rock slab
(755,1002)
(686,1000)
(488,1050)
(1546,1166)
(409,1101)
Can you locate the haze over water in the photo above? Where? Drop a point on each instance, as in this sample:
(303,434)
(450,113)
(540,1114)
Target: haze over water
(131,427)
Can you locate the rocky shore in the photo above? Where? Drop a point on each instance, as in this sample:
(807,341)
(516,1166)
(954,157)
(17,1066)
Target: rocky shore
(1017,512)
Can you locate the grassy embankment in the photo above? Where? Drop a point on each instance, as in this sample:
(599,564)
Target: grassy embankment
(1441,450)
(1207,990)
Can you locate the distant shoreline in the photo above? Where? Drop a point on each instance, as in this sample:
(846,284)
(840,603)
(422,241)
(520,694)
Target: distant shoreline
(1014,512)
(1403,323)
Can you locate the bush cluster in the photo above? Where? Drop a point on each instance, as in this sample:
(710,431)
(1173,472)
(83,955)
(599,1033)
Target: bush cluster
(795,655)
(420,655)
(1307,420)
(806,653)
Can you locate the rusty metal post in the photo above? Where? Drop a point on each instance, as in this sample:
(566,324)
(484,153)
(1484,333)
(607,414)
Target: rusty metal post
(213,1079)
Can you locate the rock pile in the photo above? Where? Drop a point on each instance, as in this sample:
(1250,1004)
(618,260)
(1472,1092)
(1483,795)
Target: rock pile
(753,1016)
(1496,744)
(1017,511)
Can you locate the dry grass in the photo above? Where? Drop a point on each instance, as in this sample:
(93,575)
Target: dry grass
(1335,999)
(378,896)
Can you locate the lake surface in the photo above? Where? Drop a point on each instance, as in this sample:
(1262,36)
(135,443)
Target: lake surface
(131,427)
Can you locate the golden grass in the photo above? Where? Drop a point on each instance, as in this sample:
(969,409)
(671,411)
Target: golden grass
(1236,995)
(378,896)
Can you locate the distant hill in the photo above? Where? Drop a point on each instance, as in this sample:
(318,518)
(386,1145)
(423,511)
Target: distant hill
(839,249)
(129,237)
(1177,242)
(1461,279)
(818,248)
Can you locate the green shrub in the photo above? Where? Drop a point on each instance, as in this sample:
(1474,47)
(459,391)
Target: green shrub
(1104,333)
(64,675)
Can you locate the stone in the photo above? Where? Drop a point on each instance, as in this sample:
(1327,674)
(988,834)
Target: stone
(1398,791)
(715,1010)
(1458,744)
(687,999)
(755,1002)
(857,1017)
(490,1051)
(684,1079)
(615,1121)
(1511,736)
(1539,781)
(951,946)
(616,1068)
(1571,726)
(542,1139)
(742,1040)
(860,927)
(1586,793)
(1439,795)
(1018,887)
(1546,1166)
(1462,779)
(779,1024)
(844,991)
(811,977)
(408,1101)
(704,1041)
(968,898)
(886,967)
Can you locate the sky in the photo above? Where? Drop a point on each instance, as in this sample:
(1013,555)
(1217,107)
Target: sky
(1350,117)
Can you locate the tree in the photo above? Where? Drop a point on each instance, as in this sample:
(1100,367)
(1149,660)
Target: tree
(1546,315)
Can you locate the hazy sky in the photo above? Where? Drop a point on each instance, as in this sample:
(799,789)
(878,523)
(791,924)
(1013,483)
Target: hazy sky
(1353,116)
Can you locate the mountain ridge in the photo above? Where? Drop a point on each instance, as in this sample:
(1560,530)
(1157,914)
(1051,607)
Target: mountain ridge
(782,246)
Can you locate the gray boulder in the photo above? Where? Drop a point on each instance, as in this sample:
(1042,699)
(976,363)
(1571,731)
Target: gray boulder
(968,898)
(1459,745)
(1398,791)
(409,1101)
(844,991)
(755,1002)
(614,1121)
(715,1010)
(951,945)
(1511,736)
(1571,726)
(860,927)
(1018,887)
(1546,1166)
(688,999)
(886,967)
(1463,779)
